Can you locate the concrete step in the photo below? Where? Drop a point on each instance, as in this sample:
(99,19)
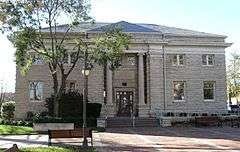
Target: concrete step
(116,122)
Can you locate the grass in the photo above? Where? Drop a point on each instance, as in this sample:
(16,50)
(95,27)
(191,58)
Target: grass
(54,149)
(15,130)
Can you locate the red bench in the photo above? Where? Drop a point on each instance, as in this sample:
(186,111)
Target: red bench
(76,133)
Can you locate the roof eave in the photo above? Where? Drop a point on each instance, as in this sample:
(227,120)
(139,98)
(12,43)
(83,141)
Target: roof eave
(197,36)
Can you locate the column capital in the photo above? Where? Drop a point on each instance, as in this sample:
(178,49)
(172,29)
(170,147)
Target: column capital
(140,53)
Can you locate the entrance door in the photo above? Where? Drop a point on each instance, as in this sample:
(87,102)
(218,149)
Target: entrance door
(124,103)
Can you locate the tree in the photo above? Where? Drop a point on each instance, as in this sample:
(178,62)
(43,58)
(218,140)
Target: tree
(233,77)
(3,90)
(24,21)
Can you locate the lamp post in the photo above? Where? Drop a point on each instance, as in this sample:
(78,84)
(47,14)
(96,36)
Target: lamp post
(85,73)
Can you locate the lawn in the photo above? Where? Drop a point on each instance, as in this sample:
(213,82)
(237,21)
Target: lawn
(15,130)
(54,149)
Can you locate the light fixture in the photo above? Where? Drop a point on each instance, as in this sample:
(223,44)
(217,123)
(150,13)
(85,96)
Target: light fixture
(86,72)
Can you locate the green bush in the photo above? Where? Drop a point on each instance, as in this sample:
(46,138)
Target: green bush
(16,123)
(71,104)
(7,110)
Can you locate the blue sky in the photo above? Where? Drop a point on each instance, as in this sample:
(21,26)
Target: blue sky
(213,16)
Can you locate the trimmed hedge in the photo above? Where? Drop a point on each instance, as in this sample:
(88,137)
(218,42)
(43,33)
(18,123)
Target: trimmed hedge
(71,104)
(7,110)
(16,123)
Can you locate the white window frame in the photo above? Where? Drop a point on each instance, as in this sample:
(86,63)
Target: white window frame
(29,92)
(214,88)
(184,91)
(178,60)
(207,60)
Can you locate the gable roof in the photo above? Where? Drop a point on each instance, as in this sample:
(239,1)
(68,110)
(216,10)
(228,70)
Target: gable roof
(133,28)
(125,27)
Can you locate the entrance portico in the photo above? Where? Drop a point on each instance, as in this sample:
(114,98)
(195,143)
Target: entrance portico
(125,88)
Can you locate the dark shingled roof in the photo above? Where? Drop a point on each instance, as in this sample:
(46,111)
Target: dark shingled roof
(130,27)
(125,27)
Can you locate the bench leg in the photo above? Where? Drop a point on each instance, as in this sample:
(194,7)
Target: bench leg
(92,141)
(49,142)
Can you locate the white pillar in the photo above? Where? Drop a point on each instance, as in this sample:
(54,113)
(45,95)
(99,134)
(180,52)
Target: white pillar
(140,79)
(109,86)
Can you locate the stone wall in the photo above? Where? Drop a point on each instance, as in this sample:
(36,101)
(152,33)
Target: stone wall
(41,73)
(193,73)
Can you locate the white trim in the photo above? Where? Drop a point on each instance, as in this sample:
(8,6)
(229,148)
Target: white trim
(179,101)
(178,60)
(208,100)
(207,60)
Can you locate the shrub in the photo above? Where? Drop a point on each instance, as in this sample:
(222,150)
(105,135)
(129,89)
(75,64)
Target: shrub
(71,104)
(29,115)
(7,110)
(16,123)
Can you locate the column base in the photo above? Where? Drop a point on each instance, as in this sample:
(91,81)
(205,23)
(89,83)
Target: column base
(143,111)
(107,111)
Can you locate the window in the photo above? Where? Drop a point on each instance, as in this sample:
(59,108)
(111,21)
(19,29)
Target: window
(36,91)
(208,90)
(178,90)
(69,58)
(70,85)
(178,59)
(37,59)
(131,60)
(208,59)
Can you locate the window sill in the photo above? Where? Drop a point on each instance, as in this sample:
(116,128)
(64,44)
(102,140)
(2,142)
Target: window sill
(178,101)
(208,65)
(209,100)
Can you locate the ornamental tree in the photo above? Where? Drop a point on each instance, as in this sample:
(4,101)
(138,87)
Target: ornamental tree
(24,22)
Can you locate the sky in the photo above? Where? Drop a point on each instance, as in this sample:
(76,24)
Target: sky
(212,16)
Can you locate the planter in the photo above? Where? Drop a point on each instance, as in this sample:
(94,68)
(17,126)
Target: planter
(101,122)
(166,121)
(43,127)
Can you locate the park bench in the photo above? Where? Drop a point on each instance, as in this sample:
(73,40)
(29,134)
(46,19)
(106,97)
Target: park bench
(76,133)
(14,148)
(208,121)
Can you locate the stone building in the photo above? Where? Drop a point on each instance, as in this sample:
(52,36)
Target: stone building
(164,69)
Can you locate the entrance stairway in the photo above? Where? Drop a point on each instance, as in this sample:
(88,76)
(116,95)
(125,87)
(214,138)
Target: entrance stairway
(118,122)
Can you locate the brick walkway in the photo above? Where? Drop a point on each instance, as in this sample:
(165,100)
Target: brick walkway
(180,139)
(169,139)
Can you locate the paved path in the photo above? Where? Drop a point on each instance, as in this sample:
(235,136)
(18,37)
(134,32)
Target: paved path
(169,139)
(179,139)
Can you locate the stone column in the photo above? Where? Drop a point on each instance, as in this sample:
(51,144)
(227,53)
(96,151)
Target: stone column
(108,109)
(140,80)
(109,86)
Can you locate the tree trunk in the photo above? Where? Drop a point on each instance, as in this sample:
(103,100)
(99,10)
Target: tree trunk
(56,97)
